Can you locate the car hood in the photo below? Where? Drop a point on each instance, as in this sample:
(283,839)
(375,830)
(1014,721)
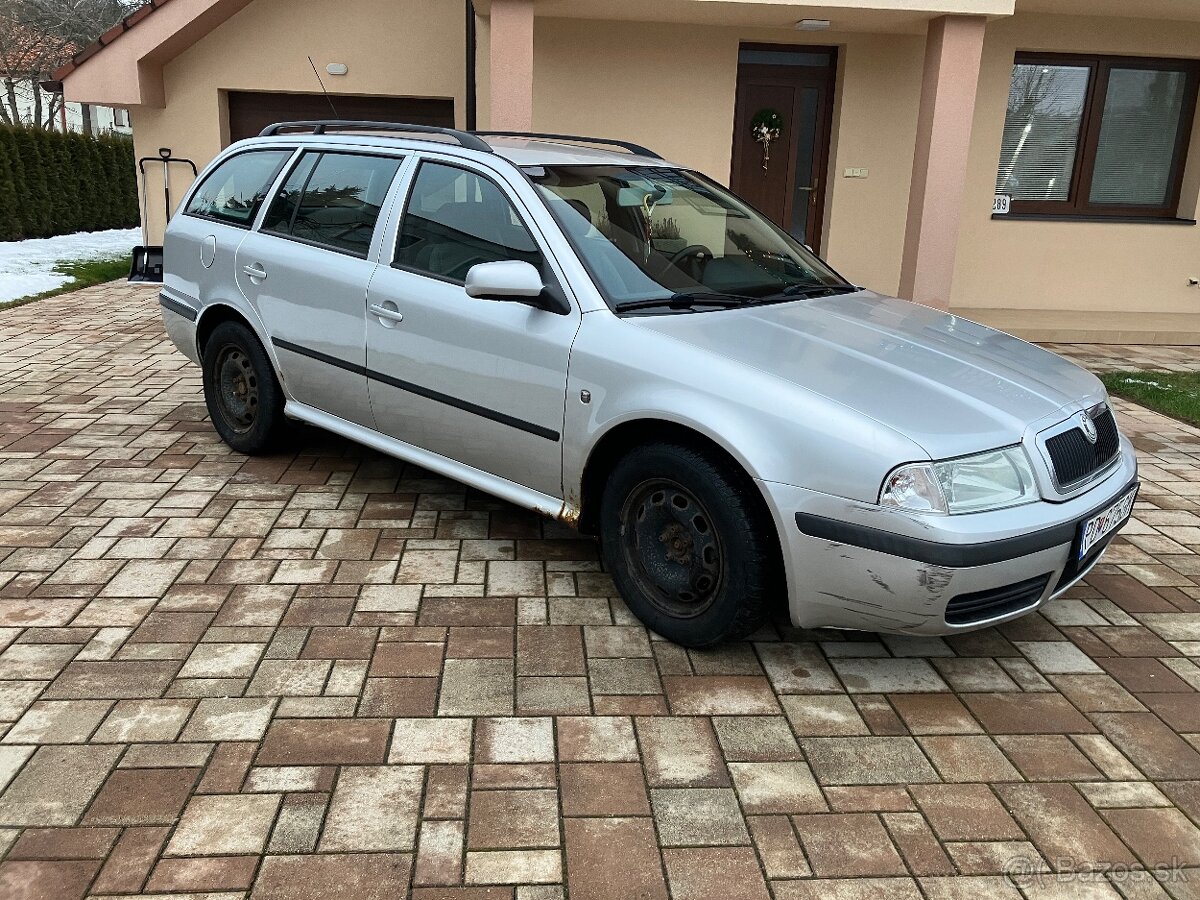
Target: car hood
(948,384)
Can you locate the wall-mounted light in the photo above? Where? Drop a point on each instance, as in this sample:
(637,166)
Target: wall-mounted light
(812,25)
(337,68)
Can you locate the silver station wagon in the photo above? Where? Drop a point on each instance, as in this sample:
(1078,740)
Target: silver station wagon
(584,329)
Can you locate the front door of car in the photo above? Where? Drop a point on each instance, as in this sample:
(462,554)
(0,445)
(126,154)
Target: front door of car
(307,268)
(482,382)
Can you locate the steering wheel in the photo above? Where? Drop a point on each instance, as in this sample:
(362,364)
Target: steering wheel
(698,253)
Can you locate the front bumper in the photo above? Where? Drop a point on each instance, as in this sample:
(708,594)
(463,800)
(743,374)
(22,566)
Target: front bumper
(858,565)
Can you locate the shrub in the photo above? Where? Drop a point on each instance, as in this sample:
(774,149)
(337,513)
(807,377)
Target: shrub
(35,209)
(22,199)
(9,221)
(54,183)
(64,211)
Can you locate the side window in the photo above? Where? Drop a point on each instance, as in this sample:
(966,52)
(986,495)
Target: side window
(456,219)
(283,208)
(333,199)
(235,189)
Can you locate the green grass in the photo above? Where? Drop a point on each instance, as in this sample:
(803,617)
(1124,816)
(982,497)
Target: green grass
(83,273)
(1175,394)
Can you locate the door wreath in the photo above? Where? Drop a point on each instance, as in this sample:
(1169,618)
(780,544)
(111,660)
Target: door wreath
(766,126)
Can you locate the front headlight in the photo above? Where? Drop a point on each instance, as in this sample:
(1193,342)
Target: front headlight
(992,480)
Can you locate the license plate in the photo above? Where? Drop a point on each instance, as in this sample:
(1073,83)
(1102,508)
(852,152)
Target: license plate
(1098,526)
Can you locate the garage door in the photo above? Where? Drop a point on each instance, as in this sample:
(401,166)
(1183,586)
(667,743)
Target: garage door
(251,112)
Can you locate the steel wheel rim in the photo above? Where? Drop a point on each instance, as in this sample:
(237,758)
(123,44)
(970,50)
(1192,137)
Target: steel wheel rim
(236,385)
(671,547)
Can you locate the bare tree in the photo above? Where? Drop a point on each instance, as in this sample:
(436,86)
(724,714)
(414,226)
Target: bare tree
(38,36)
(1032,87)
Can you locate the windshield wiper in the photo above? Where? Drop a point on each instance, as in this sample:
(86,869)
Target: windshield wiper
(688,301)
(809,289)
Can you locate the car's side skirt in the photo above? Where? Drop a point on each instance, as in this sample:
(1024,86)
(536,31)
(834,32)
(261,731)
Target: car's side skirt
(514,493)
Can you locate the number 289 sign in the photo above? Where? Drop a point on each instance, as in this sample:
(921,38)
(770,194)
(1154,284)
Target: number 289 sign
(1001,204)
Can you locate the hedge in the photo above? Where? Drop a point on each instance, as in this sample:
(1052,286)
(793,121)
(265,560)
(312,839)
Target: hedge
(55,183)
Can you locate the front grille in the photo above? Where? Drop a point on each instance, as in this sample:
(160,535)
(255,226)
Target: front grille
(1074,457)
(966,609)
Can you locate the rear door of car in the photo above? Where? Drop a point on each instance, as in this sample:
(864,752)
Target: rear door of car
(479,381)
(306,269)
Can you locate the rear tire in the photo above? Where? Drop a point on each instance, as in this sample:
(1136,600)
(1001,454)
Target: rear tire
(687,545)
(243,396)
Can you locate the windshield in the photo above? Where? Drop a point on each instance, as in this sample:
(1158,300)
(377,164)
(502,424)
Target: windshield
(656,237)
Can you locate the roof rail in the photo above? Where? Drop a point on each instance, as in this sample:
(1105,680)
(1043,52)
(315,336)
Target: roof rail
(624,145)
(321,126)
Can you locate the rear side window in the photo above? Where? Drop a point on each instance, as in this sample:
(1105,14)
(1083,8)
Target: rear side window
(333,199)
(457,219)
(234,190)
(283,208)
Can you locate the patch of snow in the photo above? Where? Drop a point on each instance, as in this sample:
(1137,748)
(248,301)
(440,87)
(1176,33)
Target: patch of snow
(1154,384)
(27,267)
(1158,384)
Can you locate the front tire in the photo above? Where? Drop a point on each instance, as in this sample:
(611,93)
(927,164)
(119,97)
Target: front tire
(687,544)
(241,392)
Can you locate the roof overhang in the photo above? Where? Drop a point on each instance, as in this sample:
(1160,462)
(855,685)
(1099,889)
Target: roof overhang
(124,67)
(1170,10)
(854,12)
(878,16)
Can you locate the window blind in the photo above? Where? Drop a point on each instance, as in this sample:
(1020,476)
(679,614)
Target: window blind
(1041,131)
(1138,133)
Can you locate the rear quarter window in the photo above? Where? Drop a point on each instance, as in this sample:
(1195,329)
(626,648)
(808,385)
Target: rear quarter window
(235,189)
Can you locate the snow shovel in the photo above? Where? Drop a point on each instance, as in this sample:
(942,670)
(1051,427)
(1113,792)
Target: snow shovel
(147,264)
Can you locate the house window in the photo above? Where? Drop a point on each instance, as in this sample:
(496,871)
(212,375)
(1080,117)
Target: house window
(1097,136)
(120,117)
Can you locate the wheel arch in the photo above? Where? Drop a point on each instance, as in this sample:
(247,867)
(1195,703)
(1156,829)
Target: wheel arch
(219,311)
(213,315)
(624,437)
(631,433)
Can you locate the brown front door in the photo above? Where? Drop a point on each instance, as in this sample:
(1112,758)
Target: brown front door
(786,180)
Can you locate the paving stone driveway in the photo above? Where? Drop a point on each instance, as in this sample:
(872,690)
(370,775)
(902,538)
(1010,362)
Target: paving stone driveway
(328,674)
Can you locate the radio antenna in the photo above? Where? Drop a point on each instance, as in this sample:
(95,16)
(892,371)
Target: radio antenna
(323,91)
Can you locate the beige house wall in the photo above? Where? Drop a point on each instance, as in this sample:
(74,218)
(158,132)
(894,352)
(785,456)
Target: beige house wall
(1036,276)
(672,88)
(623,79)
(265,47)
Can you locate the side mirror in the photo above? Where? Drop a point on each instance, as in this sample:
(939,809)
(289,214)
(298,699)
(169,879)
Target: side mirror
(513,281)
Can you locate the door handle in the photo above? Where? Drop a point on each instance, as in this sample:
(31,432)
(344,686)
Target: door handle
(385,313)
(811,190)
(255,271)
